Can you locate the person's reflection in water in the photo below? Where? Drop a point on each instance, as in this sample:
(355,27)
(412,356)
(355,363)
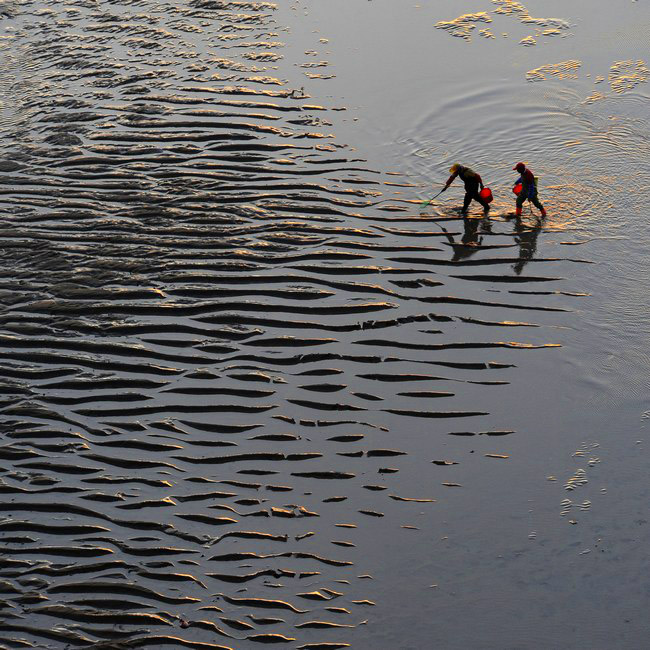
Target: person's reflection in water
(471,241)
(526,234)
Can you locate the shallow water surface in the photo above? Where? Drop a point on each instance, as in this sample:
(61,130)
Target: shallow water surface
(254,394)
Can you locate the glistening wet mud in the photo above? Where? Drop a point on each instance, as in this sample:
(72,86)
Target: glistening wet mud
(242,370)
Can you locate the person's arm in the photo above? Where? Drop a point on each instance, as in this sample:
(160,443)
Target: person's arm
(480,180)
(450,181)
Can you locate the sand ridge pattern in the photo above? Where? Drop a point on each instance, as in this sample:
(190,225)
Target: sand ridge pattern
(464,25)
(215,343)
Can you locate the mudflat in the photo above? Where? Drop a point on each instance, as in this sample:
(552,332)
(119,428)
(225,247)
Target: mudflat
(253,393)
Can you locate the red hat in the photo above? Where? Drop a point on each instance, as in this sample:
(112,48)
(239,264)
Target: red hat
(520,167)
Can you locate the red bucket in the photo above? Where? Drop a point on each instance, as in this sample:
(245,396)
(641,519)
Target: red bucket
(486,195)
(517,189)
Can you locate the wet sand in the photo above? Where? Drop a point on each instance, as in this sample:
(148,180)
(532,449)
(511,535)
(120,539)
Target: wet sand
(254,394)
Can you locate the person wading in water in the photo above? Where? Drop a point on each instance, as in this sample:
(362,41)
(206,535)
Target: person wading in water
(528,189)
(472,183)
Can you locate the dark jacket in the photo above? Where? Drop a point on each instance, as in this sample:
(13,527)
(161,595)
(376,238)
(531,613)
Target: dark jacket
(471,179)
(528,183)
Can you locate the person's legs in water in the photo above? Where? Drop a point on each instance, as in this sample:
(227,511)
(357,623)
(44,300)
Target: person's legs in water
(519,203)
(471,192)
(477,197)
(466,201)
(535,201)
(486,206)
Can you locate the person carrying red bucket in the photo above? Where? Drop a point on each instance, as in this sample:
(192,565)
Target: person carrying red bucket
(525,187)
(472,182)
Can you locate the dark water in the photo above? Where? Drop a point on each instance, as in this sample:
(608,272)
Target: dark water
(253,394)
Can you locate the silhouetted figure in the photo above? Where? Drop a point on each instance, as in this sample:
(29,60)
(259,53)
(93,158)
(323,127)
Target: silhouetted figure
(472,182)
(528,189)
